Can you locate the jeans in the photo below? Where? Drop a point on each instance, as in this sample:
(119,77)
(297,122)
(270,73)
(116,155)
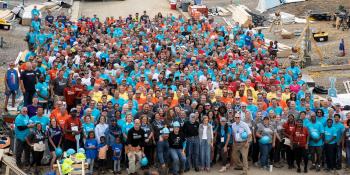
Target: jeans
(330,150)
(178,159)
(264,154)
(20,147)
(339,156)
(116,165)
(28,98)
(91,165)
(163,152)
(204,153)
(192,152)
(347,149)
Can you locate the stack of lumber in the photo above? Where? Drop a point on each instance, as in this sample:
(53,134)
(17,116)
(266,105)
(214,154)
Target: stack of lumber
(239,14)
(6,14)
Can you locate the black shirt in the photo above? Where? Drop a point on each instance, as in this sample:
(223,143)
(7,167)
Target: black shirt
(136,137)
(49,19)
(176,141)
(29,80)
(191,129)
(59,85)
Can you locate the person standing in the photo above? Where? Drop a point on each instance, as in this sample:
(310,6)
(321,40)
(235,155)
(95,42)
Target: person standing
(11,85)
(223,137)
(36,140)
(340,128)
(22,126)
(241,138)
(55,135)
(163,150)
(27,84)
(265,130)
(346,144)
(72,130)
(135,144)
(190,129)
(177,144)
(299,144)
(206,137)
(315,128)
(288,129)
(58,85)
(330,145)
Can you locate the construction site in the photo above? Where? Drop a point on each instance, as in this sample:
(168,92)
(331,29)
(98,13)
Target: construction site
(313,33)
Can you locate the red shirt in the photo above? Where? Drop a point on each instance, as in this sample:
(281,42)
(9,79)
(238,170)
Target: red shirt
(289,128)
(75,123)
(300,136)
(69,95)
(78,90)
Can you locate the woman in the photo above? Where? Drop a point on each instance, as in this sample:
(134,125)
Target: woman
(206,138)
(88,126)
(54,134)
(177,149)
(127,125)
(222,140)
(149,139)
(265,130)
(300,139)
(36,140)
(101,128)
(288,130)
(330,145)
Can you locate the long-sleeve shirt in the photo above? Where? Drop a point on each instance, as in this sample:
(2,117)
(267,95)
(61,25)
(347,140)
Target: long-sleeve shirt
(100,130)
(190,129)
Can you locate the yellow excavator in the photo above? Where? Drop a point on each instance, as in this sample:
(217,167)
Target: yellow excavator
(4,24)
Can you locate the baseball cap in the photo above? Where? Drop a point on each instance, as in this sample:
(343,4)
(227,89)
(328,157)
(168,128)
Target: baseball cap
(176,124)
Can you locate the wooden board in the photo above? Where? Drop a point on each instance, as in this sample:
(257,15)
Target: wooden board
(27,14)
(330,68)
(239,14)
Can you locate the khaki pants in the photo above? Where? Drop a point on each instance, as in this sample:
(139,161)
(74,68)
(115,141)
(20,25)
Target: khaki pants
(133,165)
(237,149)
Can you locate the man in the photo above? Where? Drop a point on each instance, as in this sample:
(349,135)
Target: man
(72,130)
(58,85)
(135,144)
(190,129)
(163,150)
(27,83)
(240,129)
(315,144)
(144,17)
(22,126)
(11,85)
(41,118)
(177,142)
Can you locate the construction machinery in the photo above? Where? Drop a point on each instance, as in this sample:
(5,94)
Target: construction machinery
(4,24)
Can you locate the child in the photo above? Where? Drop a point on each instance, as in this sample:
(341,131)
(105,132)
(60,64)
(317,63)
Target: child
(102,154)
(91,150)
(117,148)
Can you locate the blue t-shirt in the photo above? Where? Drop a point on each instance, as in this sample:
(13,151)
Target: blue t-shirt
(22,120)
(91,153)
(329,133)
(340,128)
(43,88)
(87,127)
(117,149)
(315,127)
(44,121)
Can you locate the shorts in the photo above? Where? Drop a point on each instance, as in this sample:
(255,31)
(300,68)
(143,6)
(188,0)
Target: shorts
(10,92)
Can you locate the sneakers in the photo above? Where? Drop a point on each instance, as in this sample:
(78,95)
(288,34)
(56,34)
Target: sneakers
(313,166)
(318,168)
(299,170)
(223,169)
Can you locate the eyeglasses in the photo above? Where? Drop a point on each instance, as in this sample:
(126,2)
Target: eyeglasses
(237,117)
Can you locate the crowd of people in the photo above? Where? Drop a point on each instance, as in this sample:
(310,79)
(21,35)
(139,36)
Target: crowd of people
(185,94)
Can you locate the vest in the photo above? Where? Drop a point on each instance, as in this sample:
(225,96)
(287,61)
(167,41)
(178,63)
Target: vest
(209,132)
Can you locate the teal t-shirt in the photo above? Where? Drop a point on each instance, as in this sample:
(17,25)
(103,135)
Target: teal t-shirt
(329,133)
(315,127)
(44,121)
(21,120)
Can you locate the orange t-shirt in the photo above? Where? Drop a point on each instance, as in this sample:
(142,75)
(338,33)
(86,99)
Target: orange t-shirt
(60,118)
